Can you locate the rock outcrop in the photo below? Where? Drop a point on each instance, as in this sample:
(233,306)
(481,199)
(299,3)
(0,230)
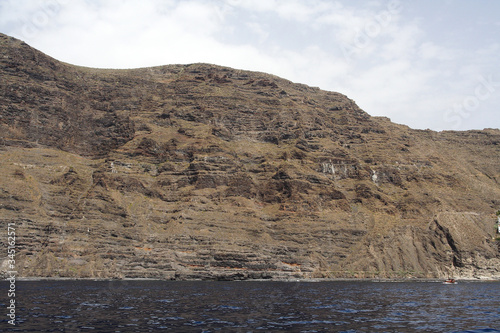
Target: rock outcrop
(206,172)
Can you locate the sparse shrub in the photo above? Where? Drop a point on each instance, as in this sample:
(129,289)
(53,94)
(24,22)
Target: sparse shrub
(19,174)
(144,127)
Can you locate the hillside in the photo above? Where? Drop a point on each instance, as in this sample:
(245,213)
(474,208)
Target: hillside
(201,171)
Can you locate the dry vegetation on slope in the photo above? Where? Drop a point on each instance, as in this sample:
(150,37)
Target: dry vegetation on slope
(200,171)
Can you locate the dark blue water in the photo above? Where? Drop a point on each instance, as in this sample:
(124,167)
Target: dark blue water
(151,306)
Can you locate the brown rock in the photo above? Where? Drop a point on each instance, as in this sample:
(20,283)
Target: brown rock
(201,171)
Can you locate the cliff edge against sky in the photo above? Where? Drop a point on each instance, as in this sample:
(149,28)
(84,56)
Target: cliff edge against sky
(201,171)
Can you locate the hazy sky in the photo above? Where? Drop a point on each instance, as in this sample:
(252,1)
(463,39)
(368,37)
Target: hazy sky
(427,63)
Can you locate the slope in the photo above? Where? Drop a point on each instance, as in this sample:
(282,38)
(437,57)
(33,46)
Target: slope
(201,171)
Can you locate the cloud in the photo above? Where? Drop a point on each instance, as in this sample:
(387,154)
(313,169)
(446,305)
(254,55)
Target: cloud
(258,30)
(125,34)
(431,51)
(378,54)
(294,10)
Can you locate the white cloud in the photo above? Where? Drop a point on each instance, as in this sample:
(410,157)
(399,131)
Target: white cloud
(431,51)
(259,30)
(377,54)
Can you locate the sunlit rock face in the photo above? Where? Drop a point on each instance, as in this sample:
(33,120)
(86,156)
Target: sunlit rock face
(200,171)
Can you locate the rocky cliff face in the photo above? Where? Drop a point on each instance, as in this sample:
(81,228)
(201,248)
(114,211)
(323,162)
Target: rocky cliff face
(200,171)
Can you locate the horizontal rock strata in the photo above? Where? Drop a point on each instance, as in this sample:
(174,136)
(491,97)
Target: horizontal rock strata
(206,172)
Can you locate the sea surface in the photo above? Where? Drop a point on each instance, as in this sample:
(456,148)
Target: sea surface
(203,306)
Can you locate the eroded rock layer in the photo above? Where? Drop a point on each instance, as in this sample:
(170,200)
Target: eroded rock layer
(200,171)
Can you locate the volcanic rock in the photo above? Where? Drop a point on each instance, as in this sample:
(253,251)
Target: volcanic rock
(206,172)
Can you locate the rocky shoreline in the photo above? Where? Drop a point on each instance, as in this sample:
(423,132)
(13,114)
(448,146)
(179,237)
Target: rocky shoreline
(319,280)
(197,171)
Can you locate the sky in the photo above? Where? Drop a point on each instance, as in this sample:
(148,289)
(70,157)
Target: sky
(428,64)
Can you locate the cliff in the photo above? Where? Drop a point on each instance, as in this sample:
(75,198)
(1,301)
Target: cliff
(201,171)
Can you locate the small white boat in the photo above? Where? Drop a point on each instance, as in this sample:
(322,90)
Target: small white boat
(450,281)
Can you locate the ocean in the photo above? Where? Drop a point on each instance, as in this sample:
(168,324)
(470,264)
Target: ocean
(251,306)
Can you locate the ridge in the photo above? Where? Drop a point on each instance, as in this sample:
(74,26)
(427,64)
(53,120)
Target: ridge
(202,171)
